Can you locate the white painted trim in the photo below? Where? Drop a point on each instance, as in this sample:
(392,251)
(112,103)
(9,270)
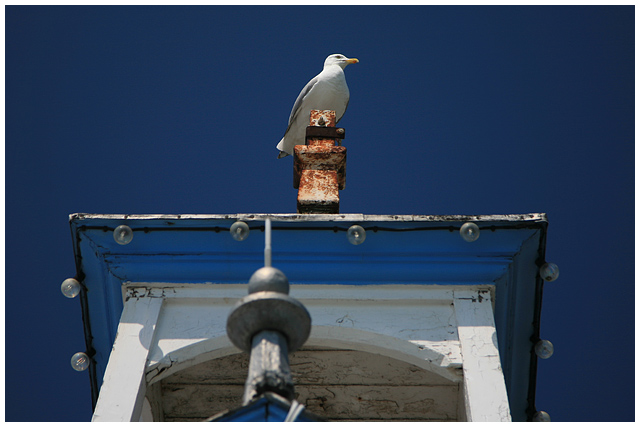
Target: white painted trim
(189,355)
(484,389)
(322,336)
(385,345)
(146,415)
(149,346)
(124,387)
(173,351)
(312,217)
(431,293)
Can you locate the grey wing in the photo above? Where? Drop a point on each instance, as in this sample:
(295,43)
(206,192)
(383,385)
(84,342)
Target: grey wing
(299,99)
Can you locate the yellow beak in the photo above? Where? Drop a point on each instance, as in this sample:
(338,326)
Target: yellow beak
(352,61)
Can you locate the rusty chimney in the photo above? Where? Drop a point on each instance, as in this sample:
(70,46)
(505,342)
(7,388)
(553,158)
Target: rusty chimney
(319,167)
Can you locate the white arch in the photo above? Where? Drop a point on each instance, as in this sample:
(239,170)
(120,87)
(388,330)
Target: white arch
(385,345)
(323,336)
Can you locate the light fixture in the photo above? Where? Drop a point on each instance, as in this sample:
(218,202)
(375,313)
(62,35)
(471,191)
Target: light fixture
(80,361)
(541,416)
(356,234)
(70,288)
(469,231)
(549,272)
(544,349)
(239,230)
(123,234)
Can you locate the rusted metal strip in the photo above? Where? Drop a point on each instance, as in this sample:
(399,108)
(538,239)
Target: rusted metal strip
(325,132)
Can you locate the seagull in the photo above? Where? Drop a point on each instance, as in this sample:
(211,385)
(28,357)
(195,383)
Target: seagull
(326,91)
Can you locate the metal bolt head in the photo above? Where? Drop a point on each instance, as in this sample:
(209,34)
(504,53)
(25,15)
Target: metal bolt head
(269,279)
(340,131)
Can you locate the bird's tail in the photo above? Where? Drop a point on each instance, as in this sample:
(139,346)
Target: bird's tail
(280,146)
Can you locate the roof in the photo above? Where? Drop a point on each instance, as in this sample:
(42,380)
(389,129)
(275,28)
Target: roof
(313,248)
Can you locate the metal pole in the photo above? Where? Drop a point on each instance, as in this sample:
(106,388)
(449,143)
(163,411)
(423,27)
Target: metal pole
(267,242)
(269,367)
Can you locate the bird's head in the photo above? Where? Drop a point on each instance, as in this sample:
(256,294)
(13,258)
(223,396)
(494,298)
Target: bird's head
(340,60)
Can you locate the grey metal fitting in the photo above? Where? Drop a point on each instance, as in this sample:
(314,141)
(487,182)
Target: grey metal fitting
(269,279)
(269,369)
(260,311)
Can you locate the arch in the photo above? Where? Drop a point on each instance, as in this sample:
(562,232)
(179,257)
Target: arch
(336,337)
(370,342)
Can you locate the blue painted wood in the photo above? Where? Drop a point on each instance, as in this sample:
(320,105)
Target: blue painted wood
(314,249)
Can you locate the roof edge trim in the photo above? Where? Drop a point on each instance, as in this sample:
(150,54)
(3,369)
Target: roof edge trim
(529,217)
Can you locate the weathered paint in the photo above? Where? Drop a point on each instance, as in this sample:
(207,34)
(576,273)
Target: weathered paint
(339,385)
(484,391)
(195,257)
(372,318)
(325,132)
(319,169)
(435,341)
(318,192)
(123,390)
(190,329)
(268,367)
(323,118)
(312,157)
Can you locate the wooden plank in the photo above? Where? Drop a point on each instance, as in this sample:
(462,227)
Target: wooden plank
(335,384)
(357,368)
(315,367)
(231,370)
(199,401)
(123,390)
(332,402)
(381,402)
(484,390)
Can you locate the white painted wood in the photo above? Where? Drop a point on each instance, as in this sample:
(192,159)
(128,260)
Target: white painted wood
(484,391)
(384,345)
(314,366)
(318,292)
(313,217)
(124,386)
(447,331)
(414,323)
(146,416)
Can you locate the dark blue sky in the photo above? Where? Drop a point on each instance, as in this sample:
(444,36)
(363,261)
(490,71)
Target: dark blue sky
(454,110)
